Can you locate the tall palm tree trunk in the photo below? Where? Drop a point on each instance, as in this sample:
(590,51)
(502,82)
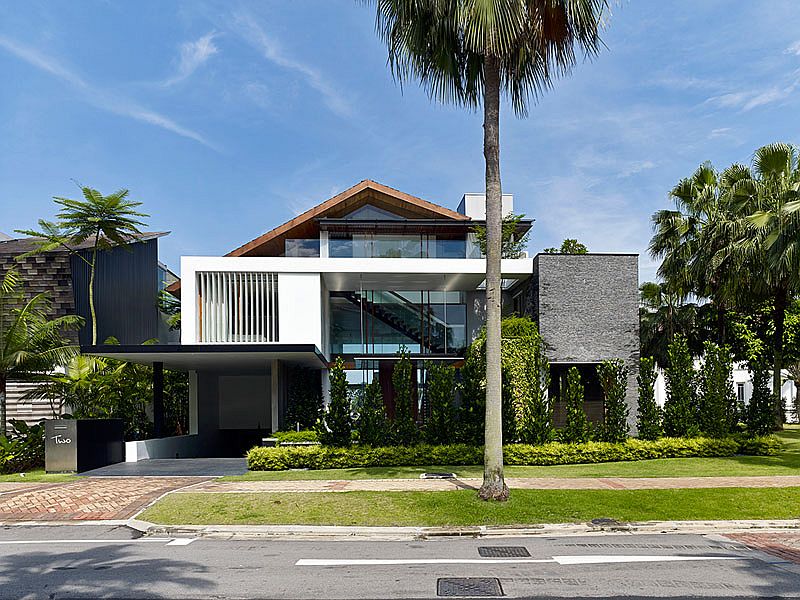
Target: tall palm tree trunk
(779,317)
(494,486)
(3,382)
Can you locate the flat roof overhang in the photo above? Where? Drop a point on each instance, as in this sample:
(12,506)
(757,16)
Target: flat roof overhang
(415,226)
(231,358)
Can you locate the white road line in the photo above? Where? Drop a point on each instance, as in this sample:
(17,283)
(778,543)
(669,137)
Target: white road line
(154,540)
(180,542)
(562,560)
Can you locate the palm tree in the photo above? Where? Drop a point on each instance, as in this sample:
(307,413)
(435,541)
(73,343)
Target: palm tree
(30,341)
(468,52)
(770,235)
(663,313)
(105,221)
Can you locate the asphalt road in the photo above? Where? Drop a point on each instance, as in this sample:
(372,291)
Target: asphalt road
(93,561)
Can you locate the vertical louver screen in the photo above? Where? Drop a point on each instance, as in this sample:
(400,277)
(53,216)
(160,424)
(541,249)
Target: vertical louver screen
(237,307)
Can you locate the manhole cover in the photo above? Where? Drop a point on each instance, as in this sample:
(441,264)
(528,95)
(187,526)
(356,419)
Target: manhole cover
(437,476)
(468,586)
(604,522)
(503,551)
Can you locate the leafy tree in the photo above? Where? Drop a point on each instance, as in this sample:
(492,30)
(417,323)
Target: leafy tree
(103,221)
(337,424)
(680,416)
(760,412)
(441,426)
(170,306)
(472,392)
(304,397)
(372,424)
(568,246)
(664,313)
(404,428)
(468,52)
(717,403)
(648,421)
(31,343)
(513,242)
(576,428)
(613,377)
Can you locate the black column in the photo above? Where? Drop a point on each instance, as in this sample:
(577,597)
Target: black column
(158,399)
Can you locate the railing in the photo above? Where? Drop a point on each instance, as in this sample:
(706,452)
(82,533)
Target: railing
(237,307)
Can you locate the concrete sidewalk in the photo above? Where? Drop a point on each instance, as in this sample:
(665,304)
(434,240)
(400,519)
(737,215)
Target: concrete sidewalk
(529,483)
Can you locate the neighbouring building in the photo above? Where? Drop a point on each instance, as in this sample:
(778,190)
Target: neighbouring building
(362,275)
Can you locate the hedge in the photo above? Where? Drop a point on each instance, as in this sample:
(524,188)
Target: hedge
(326,457)
(305,435)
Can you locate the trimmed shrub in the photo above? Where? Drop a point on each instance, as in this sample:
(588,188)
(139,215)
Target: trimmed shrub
(577,428)
(717,402)
(613,377)
(680,416)
(554,453)
(472,392)
(527,375)
(404,428)
(760,411)
(648,417)
(337,423)
(372,425)
(441,424)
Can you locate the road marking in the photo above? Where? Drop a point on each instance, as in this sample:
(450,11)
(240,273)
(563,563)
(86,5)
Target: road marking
(154,540)
(180,542)
(561,560)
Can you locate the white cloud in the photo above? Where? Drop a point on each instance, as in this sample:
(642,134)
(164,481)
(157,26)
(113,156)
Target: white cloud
(793,49)
(750,99)
(719,132)
(193,55)
(254,34)
(96,96)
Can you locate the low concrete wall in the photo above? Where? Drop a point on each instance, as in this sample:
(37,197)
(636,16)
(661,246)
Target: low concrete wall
(180,446)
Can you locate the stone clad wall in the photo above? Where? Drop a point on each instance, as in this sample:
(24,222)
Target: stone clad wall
(588,310)
(50,272)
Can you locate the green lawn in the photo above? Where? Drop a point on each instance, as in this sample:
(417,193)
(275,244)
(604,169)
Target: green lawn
(37,476)
(526,507)
(785,463)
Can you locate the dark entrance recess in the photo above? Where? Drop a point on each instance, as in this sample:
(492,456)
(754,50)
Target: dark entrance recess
(593,393)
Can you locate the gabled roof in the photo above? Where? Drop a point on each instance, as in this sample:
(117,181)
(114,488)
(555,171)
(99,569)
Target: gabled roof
(366,191)
(17,246)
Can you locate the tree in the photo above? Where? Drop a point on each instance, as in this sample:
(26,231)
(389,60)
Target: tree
(770,237)
(680,416)
(404,428)
(663,313)
(305,397)
(613,377)
(468,52)
(103,221)
(337,424)
(372,424)
(513,244)
(31,343)
(648,420)
(576,428)
(441,426)
(568,246)
(717,404)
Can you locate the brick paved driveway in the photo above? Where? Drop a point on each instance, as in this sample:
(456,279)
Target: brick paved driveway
(784,544)
(88,499)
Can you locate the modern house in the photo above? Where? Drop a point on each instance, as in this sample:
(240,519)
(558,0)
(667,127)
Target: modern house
(363,274)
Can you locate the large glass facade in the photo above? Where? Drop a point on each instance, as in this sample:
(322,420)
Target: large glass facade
(302,248)
(395,246)
(382,321)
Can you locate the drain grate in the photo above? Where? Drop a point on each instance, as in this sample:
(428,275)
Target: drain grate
(468,586)
(503,551)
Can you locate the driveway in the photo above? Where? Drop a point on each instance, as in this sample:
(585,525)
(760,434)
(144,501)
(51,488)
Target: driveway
(173,467)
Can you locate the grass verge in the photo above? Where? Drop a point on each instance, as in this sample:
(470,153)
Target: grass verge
(526,507)
(36,476)
(785,463)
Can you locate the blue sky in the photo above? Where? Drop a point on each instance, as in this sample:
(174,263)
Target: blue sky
(229,118)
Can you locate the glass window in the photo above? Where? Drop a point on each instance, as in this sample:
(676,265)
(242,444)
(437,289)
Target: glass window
(302,248)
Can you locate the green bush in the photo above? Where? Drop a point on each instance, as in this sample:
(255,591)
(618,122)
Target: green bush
(761,445)
(577,428)
(304,405)
(323,457)
(404,428)
(441,424)
(760,415)
(648,421)
(23,449)
(680,416)
(372,424)
(613,377)
(337,424)
(290,437)
(717,404)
